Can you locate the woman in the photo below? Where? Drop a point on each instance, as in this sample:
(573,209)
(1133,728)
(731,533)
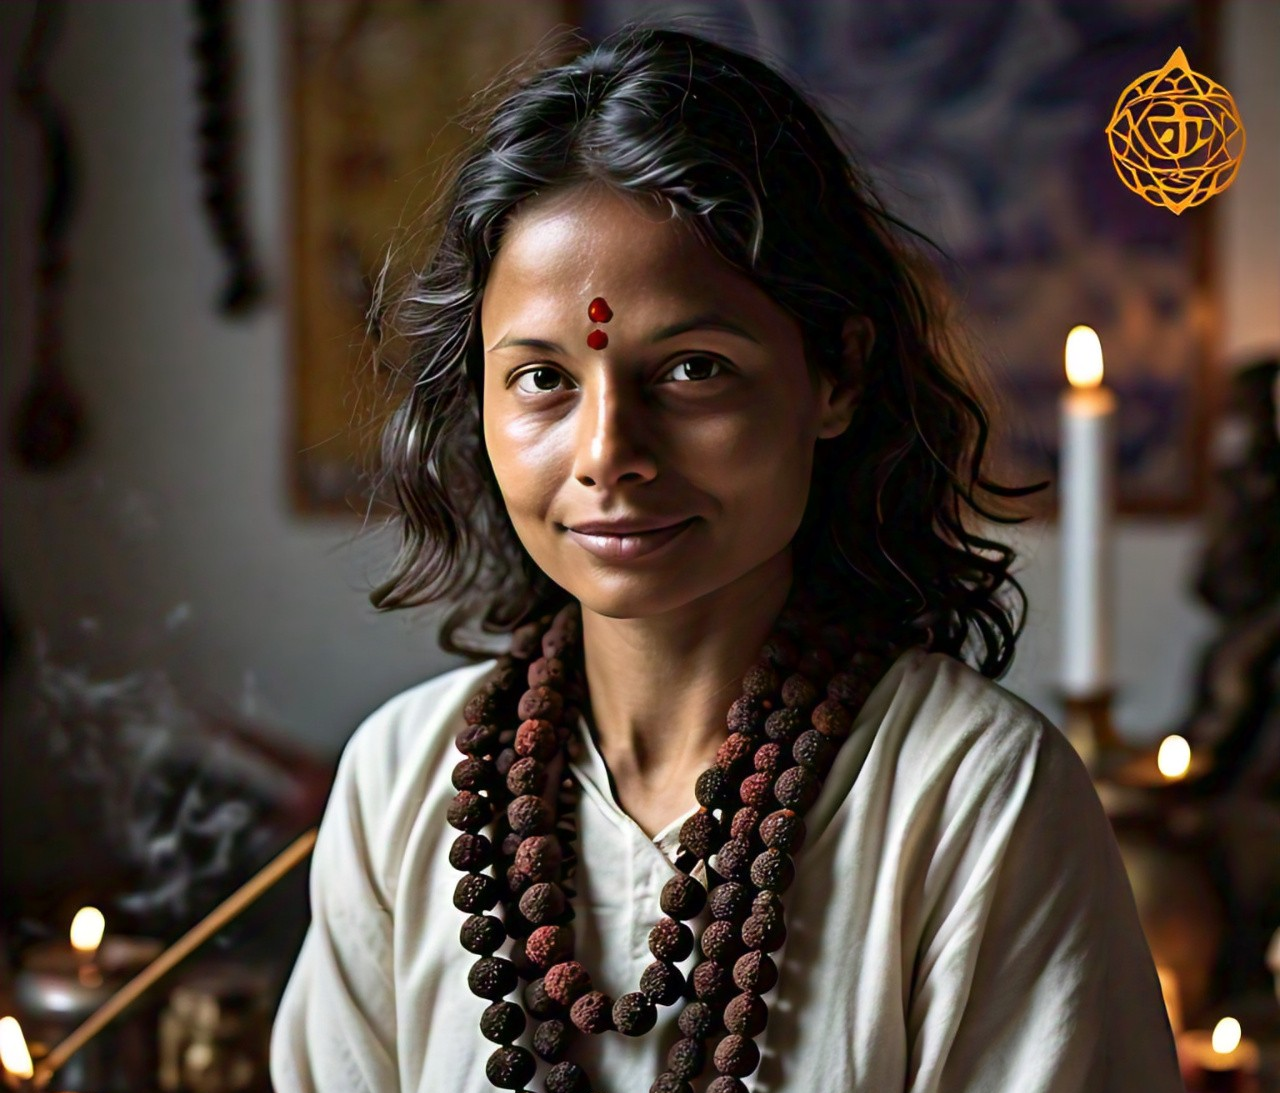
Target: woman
(686,422)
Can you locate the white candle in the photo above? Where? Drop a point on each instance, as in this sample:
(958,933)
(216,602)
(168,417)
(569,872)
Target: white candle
(1086,500)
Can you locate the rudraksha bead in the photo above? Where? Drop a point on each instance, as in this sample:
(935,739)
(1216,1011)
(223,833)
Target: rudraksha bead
(502,1022)
(799,692)
(527,775)
(536,739)
(540,704)
(506,738)
(797,788)
(697,1020)
(539,857)
(592,1013)
(511,843)
(757,790)
(782,650)
(846,687)
(517,878)
(710,982)
(470,852)
(746,1015)
(546,671)
(478,740)
(472,773)
(726,1083)
(634,1014)
(667,1082)
(492,977)
(538,1002)
(760,681)
(813,750)
(551,1039)
(736,1055)
(482,934)
(682,897)
(542,902)
(483,706)
(699,834)
(567,1077)
(663,982)
(816,662)
(759,933)
(782,830)
(475,892)
(735,750)
(832,718)
(510,1067)
(745,822)
(549,945)
(768,758)
(529,815)
(755,972)
(525,968)
(730,901)
(746,716)
(469,811)
(734,860)
(720,942)
(505,761)
(774,870)
(784,725)
(565,981)
(670,940)
(686,1057)
(714,788)
(767,906)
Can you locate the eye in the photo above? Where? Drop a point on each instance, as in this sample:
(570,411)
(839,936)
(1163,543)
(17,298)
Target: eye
(541,375)
(697,366)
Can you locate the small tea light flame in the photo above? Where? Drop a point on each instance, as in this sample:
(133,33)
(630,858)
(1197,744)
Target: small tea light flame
(14,1055)
(1084,357)
(1226,1036)
(1174,757)
(87,929)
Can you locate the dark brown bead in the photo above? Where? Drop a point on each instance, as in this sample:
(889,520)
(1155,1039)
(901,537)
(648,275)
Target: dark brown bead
(529,815)
(662,982)
(847,688)
(475,892)
(746,716)
(492,977)
(670,940)
(737,1055)
(832,718)
(730,901)
(726,1083)
(517,925)
(666,1082)
(511,843)
(697,1020)
(551,1040)
(714,788)
(526,640)
(816,661)
(536,739)
(734,860)
(799,692)
(767,906)
(538,1002)
(784,725)
(768,758)
(797,788)
(474,774)
(517,878)
(505,761)
(527,775)
(756,790)
(510,1067)
(478,740)
(682,897)
(745,822)
(762,934)
(755,972)
(506,738)
(699,834)
(760,681)
(711,982)
(547,671)
(564,982)
(783,830)
(814,750)
(539,857)
(482,934)
(526,969)
(469,811)
(540,704)
(542,902)
(733,752)
(782,650)
(720,942)
(470,852)
(774,870)
(502,1022)
(592,1013)
(686,1058)
(746,1015)
(634,1014)
(567,1077)
(549,945)
(481,707)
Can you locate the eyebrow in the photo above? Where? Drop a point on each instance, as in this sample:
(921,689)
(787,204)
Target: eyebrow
(662,334)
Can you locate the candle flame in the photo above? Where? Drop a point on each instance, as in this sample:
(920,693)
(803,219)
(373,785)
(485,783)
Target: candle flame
(87,929)
(1084,357)
(1174,757)
(14,1055)
(1226,1036)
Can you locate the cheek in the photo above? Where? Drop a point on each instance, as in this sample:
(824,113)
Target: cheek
(523,463)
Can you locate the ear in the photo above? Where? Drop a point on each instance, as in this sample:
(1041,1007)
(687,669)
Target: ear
(841,400)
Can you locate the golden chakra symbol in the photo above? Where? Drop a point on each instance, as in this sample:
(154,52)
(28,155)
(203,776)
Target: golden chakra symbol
(1176,136)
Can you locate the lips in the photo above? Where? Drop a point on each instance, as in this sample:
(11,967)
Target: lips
(624,547)
(625,527)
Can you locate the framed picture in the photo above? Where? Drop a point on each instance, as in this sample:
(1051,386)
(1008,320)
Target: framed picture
(376,88)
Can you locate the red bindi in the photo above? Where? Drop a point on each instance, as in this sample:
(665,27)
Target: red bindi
(597,339)
(599,311)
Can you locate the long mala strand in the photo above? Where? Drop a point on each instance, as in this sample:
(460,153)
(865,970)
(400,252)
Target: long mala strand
(783,734)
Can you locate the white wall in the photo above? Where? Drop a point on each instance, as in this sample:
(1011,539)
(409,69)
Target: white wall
(181,497)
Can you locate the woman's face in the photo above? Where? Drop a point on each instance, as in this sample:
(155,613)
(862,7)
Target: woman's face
(699,411)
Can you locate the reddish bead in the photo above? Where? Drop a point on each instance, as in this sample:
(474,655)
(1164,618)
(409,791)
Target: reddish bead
(832,718)
(540,704)
(757,790)
(768,758)
(733,751)
(597,339)
(745,821)
(599,311)
(539,857)
(549,945)
(564,982)
(536,738)
(592,1013)
(547,671)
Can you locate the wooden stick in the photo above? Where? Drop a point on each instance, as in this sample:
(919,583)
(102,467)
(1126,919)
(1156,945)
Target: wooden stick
(211,924)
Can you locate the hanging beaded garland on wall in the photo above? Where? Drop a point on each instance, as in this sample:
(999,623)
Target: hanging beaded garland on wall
(783,734)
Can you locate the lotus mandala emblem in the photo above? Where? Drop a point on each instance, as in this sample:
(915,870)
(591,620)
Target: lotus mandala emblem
(1176,136)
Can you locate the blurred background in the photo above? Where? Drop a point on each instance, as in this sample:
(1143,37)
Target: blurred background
(196,198)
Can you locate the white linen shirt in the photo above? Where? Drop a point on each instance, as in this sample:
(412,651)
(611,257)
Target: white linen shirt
(960,921)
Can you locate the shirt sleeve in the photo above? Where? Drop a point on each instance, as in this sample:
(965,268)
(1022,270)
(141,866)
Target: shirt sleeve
(1032,974)
(335,1029)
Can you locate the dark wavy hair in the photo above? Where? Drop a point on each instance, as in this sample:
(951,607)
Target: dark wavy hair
(757,172)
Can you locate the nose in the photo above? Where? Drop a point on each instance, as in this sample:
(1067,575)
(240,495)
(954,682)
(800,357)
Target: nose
(612,443)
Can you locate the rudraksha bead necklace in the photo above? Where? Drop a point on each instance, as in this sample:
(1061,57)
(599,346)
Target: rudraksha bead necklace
(783,734)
